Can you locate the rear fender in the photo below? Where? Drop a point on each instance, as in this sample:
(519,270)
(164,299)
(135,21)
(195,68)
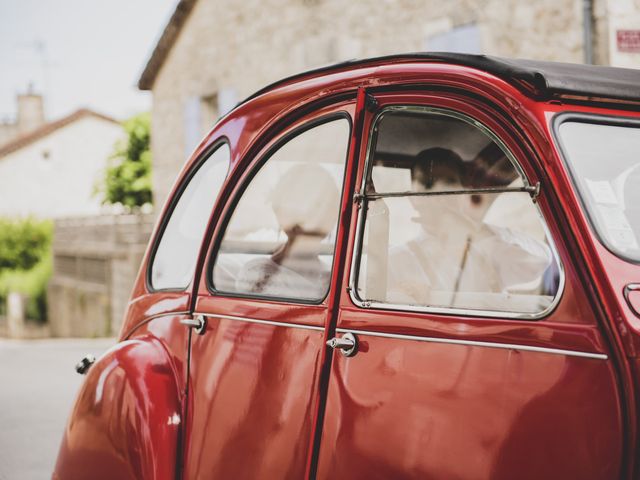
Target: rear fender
(126,420)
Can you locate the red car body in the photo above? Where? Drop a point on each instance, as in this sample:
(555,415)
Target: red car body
(428,395)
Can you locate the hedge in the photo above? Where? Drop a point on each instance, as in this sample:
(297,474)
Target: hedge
(25,263)
(33,284)
(23,242)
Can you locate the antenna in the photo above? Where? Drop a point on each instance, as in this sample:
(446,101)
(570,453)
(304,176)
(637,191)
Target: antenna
(39,46)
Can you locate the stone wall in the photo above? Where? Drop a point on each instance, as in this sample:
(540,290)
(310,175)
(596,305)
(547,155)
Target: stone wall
(236,48)
(95,262)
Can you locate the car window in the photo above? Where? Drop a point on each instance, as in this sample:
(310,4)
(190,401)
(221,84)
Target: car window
(449,220)
(176,255)
(605,161)
(279,241)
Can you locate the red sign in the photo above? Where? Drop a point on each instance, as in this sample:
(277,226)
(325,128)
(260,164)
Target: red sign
(628,41)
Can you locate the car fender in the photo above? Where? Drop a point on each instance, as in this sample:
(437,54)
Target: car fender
(126,420)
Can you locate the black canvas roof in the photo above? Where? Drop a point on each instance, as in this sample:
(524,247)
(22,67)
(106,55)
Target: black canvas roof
(554,78)
(537,78)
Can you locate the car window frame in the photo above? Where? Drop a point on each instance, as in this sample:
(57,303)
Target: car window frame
(356,255)
(281,138)
(597,119)
(173,203)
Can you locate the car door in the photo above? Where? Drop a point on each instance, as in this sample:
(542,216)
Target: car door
(255,367)
(466,346)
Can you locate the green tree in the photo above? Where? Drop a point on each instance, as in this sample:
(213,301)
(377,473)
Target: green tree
(127,179)
(25,262)
(23,242)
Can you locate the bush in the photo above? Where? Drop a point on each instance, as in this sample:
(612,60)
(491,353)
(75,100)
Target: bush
(127,179)
(25,263)
(31,283)
(23,242)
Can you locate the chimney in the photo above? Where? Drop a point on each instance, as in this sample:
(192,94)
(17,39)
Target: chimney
(30,111)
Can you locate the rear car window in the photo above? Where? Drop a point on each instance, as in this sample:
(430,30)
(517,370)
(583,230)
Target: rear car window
(280,239)
(176,255)
(605,165)
(449,222)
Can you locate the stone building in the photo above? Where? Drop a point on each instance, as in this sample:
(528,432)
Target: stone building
(213,53)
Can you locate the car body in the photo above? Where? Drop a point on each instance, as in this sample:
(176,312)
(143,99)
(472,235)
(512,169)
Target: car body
(321,299)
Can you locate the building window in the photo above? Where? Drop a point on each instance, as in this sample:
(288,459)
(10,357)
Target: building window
(461,39)
(208,112)
(202,112)
(192,124)
(227,100)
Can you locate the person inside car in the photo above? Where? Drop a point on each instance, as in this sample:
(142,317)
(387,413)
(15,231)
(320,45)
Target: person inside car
(295,269)
(458,258)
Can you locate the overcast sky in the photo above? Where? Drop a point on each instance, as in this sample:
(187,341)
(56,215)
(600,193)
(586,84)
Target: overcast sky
(79,53)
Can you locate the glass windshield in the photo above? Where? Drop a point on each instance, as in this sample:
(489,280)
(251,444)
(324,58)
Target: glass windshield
(605,161)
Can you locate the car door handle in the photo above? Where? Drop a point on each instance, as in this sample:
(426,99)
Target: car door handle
(198,323)
(85,364)
(347,344)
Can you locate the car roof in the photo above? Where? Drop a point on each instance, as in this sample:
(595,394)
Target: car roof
(539,79)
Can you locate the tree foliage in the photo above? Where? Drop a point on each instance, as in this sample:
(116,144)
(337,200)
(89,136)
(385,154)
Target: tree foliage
(23,242)
(127,179)
(25,262)
(32,283)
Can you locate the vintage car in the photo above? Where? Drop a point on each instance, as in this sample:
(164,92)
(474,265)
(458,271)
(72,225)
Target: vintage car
(415,266)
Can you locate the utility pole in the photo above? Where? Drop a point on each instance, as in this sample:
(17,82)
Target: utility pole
(587,30)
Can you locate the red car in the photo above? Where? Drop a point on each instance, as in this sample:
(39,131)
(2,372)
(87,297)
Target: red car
(416,266)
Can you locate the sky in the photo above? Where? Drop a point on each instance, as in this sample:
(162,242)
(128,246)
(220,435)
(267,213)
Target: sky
(79,53)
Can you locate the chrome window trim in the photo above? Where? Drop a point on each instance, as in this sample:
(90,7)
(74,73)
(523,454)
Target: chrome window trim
(260,322)
(532,190)
(355,258)
(448,341)
(151,318)
(475,343)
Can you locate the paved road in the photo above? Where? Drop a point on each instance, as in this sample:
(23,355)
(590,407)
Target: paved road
(38,385)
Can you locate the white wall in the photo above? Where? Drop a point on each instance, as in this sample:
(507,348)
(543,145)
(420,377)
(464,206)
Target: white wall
(622,15)
(63,184)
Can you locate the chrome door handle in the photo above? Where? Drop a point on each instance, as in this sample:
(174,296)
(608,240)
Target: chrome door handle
(347,344)
(198,323)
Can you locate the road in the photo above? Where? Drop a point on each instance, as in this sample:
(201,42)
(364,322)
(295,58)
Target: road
(38,385)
